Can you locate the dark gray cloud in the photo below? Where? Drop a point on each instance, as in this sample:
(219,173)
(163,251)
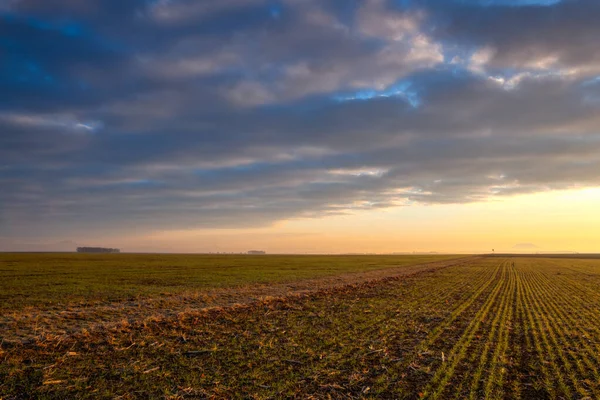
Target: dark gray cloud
(560,37)
(173,114)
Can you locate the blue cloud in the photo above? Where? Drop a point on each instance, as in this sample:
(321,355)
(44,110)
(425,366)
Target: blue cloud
(400,90)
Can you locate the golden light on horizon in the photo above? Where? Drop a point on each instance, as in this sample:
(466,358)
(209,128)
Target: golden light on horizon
(551,221)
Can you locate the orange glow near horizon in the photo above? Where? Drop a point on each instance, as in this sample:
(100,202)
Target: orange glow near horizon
(550,221)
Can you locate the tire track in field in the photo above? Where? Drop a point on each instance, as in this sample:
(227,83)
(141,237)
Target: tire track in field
(458,311)
(442,376)
(495,381)
(518,384)
(390,347)
(482,350)
(532,365)
(441,295)
(437,332)
(488,284)
(382,351)
(488,351)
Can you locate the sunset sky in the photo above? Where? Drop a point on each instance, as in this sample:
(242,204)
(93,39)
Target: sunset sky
(309,126)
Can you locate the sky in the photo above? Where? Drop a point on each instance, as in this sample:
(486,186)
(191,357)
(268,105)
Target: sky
(308,126)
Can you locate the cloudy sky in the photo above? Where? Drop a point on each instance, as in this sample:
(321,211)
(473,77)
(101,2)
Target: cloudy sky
(300,125)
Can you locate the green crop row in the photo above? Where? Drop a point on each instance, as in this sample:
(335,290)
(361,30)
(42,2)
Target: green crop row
(487,328)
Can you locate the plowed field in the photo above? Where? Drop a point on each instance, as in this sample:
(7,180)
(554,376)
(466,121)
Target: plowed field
(491,328)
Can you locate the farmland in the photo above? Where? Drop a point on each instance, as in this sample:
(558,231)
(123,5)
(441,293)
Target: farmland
(481,327)
(46,280)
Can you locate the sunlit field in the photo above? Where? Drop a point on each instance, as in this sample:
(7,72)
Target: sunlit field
(58,279)
(375,327)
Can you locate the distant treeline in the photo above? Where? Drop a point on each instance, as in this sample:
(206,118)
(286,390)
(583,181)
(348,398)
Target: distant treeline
(583,256)
(97,250)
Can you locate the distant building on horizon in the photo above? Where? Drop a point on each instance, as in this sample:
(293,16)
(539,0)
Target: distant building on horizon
(257,252)
(97,250)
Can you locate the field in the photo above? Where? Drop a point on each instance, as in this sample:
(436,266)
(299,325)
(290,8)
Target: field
(480,327)
(45,280)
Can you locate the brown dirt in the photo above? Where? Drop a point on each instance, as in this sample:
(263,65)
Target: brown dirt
(27,325)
